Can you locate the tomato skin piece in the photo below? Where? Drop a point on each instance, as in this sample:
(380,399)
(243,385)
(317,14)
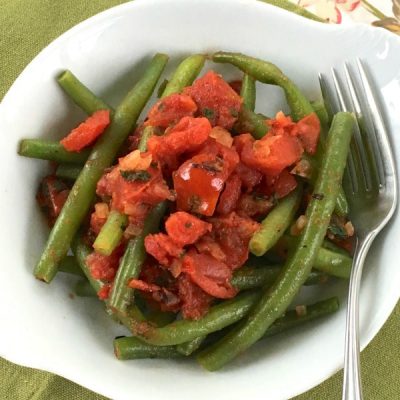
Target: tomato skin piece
(284,184)
(87,132)
(215,99)
(209,274)
(162,248)
(309,129)
(184,228)
(230,196)
(249,177)
(253,205)
(195,301)
(272,154)
(232,233)
(198,183)
(187,135)
(51,196)
(170,110)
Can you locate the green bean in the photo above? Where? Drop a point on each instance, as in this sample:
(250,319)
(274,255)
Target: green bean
(83,288)
(276,299)
(331,262)
(327,244)
(148,132)
(294,8)
(266,72)
(80,94)
(51,151)
(248,92)
(184,75)
(68,171)
(190,347)
(251,278)
(276,223)
(70,265)
(291,319)
(322,113)
(111,233)
(102,155)
(81,252)
(131,263)
(218,317)
(131,348)
(250,122)
(162,87)
(342,206)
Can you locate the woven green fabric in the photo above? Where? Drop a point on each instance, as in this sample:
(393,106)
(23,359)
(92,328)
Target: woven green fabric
(26,26)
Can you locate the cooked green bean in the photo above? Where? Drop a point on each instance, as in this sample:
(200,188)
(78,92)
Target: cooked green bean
(342,206)
(102,155)
(184,75)
(131,348)
(226,313)
(266,72)
(68,171)
(276,299)
(190,347)
(250,122)
(327,244)
(248,92)
(131,263)
(330,261)
(292,319)
(294,8)
(51,150)
(81,251)
(80,94)
(70,265)
(251,278)
(322,113)
(111,233)
(148,132)
(83,288)
(276,223)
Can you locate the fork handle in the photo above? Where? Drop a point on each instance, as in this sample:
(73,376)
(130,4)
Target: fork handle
(352,389)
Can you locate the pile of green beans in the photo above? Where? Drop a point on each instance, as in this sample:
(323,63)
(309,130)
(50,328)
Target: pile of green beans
(265,291)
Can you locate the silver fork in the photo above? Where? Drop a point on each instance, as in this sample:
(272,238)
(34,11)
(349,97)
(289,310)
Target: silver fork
(372,192)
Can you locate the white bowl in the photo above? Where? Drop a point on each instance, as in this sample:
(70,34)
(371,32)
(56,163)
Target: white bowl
(42,327)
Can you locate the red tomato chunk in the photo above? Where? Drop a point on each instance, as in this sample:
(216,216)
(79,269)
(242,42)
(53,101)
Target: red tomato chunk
(87,132)
(104,267)
(184,228)
(170,110)
(162,248)
(230,195)
(215,99)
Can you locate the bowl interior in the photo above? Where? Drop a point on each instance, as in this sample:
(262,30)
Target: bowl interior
(43,326)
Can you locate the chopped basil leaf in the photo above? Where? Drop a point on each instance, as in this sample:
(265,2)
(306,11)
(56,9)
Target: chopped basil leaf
(132,176)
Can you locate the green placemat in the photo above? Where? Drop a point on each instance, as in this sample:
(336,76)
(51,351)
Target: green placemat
(26,26)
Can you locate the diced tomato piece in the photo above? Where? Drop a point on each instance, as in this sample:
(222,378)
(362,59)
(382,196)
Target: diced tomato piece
(254,205)
(272,154)
(187,135)
(221,136)
(99,217)
(143,286)
(51,196)
(230,195)
(208,245)
(282,125)
(185,229)
(250,177)
(104,267)
(211,275)
(195,301)
(135,161)
(170,110)
(233,234)
(104,292)
(308,132)
(284,184)
(87,132)
(215,99)
(242,140)
(198,183)
(162,248)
